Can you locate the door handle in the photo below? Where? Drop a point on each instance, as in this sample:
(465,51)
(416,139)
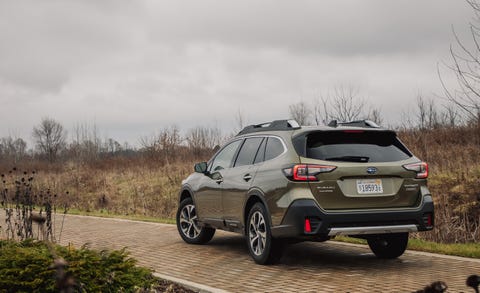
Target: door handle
(220,180)
(247,177)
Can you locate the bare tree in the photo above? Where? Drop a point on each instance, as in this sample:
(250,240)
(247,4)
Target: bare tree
(449,116)
(407,121)
(86,143)
(375,115)
(422,112)
(300,112)
(347,105)
(239,120)
(427,115)
(321,111)
(466,68)
(12,148)
(112,146)
(49,138)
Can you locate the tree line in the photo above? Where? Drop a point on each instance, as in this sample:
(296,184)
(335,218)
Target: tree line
(51,141)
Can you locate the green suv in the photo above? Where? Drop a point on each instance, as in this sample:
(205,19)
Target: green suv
(279,182)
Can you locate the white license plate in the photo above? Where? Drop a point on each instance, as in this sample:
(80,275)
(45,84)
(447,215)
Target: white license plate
(369,186)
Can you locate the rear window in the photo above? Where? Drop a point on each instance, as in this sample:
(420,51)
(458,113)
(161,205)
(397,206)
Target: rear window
(353,146)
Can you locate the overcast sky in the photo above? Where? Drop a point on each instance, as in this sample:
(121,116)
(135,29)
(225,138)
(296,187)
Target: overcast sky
(133,67)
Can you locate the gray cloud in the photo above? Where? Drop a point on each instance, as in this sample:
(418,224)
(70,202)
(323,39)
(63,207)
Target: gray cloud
(328,27)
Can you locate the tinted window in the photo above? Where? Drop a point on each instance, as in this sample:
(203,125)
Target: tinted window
(261,152)
(248,151)
(274,148)
(364,146)
(224,158)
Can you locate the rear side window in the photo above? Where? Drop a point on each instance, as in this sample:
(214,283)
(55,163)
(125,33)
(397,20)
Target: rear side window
(353,146)
(274,148)
(248,151)
(261,152)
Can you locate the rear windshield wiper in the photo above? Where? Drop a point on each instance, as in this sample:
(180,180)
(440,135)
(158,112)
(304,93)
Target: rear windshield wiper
(349,159)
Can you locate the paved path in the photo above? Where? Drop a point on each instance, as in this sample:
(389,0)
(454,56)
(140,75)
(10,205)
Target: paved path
(224,263)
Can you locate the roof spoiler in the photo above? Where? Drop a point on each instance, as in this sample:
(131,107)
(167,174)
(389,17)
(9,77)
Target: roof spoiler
(356,123)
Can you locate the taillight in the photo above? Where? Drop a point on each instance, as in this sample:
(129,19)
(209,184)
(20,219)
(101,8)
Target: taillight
(304,172)
(420,168)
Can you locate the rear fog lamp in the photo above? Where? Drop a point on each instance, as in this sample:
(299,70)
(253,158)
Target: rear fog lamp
(308,227)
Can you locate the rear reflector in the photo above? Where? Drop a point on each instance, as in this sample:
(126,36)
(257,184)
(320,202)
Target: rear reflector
(308,227)
(420,168)
(428,220)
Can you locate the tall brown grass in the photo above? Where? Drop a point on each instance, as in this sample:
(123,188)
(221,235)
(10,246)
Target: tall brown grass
(453,155)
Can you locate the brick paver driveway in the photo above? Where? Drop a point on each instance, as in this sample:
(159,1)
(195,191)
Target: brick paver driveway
(224,263)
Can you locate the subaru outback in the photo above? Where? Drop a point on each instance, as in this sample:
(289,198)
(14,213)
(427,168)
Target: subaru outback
(280,182)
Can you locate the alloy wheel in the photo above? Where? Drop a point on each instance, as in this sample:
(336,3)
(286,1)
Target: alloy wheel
(189,222)
(257,233)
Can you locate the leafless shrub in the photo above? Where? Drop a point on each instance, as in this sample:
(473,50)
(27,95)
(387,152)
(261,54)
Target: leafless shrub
(20,201)
(163,145)
(202,140)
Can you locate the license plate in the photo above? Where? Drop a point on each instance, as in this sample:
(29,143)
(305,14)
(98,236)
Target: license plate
(369,186)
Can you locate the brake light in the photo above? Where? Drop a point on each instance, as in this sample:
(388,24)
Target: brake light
(420,168)
(304,172)
(353,131)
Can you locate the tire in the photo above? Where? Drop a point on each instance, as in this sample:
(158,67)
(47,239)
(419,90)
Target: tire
(263,248)
(388,246)
(187,224)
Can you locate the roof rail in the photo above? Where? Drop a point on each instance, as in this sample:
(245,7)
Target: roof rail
(356,123)
(271,126)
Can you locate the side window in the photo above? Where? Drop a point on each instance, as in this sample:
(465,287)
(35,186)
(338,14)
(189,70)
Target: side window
(274,148)
(224,158)
(248,151)
(261,152)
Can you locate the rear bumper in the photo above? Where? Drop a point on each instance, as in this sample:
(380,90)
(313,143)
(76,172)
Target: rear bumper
(328,224)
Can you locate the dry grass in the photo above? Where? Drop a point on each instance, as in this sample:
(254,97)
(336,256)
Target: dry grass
(454,158)
(135,190)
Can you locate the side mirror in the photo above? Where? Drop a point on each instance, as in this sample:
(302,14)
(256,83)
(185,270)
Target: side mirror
(200,167)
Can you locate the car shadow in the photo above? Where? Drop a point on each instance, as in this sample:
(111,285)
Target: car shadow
(317,255)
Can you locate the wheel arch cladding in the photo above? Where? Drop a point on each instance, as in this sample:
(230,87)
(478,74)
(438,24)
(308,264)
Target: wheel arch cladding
(252,200)
(185,194)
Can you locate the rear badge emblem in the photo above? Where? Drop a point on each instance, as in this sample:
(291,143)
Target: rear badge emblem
(372,170)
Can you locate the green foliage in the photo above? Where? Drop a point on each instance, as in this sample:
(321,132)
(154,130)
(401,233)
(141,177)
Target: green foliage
(25,266)
(471,250)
